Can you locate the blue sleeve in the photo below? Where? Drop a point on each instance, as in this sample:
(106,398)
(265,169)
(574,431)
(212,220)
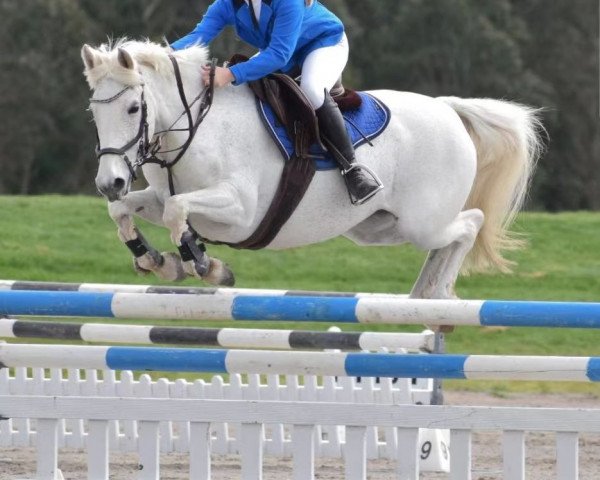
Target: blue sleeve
(287,27)
(217,17)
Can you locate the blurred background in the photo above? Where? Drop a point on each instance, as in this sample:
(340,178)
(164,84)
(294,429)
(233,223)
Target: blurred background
(543,53)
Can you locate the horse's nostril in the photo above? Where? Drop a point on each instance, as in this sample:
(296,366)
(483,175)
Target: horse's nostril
(119,184)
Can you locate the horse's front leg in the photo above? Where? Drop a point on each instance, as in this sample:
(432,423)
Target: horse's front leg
(146,259)
(221,203)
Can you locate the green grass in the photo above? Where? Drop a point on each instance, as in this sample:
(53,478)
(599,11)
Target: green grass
(72,239)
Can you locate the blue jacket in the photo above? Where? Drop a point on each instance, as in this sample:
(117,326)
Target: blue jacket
(287,32)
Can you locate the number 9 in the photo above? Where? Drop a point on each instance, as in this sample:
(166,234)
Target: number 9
(425,450)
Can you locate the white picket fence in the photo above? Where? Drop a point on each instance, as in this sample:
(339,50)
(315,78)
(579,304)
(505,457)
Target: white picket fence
(124,435)
(299,417)
(304,417)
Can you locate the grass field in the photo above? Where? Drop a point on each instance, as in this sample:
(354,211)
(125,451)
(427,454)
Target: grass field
(72,238)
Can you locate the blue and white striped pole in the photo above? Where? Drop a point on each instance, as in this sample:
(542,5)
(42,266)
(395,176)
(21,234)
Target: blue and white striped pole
(399,311)
(474,367)
(129,288)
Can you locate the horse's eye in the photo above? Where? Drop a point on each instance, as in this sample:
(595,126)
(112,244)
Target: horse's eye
(133,109)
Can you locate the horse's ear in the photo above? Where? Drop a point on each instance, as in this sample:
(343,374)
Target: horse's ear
(125,59)
(90,59)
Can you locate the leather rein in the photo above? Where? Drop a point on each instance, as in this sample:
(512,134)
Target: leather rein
(148,150)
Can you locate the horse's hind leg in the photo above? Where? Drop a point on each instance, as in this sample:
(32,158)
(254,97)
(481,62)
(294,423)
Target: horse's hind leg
(448,249)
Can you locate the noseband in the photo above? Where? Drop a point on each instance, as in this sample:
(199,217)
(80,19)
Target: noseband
(148,151)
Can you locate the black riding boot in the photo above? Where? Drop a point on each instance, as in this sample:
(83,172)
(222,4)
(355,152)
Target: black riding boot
(361,186)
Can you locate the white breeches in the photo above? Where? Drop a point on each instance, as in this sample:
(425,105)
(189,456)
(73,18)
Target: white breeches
(321,69)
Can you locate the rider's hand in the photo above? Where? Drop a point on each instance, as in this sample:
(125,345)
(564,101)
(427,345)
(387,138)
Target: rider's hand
(223,76)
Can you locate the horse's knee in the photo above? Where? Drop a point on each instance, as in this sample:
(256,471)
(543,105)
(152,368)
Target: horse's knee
(175,217)
(117,210)
(176,210)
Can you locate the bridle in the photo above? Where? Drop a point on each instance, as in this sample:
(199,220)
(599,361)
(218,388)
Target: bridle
(148,150)
(144,145)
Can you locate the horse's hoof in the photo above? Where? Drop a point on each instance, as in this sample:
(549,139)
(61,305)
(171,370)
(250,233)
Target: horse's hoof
(228,279)
(139,269)
(172,268)
(219,274)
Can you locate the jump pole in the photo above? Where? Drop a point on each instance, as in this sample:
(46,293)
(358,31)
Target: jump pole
(473,367)
(216,337)
(21,285)
(397,311)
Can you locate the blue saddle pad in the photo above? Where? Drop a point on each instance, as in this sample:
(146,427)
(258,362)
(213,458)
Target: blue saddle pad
(363,124)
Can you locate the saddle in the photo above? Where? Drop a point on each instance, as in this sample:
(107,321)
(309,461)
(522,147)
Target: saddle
(291,107)
(294,112)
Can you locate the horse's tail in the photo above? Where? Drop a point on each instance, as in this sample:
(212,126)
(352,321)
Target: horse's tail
(508,143)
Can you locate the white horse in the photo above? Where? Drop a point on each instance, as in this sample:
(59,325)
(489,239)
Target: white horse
(446,164)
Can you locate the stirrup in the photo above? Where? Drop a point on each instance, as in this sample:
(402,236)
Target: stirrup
(371,173)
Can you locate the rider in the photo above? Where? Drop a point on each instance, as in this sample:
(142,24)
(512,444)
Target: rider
(290,33)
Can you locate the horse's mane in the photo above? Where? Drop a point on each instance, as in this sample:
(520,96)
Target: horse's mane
(146,54)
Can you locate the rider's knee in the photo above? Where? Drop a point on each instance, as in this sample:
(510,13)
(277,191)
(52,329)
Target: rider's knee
(314,91)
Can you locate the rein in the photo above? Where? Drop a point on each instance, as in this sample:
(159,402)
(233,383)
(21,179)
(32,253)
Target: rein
(205,104)
(148,151)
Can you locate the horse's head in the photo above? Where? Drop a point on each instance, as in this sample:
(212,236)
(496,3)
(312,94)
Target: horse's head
(126,112)
(123,119)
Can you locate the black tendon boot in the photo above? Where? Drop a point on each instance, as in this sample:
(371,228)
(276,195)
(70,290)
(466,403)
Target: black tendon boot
(362,184)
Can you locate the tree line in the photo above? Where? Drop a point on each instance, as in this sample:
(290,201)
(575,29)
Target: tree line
(536,52)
